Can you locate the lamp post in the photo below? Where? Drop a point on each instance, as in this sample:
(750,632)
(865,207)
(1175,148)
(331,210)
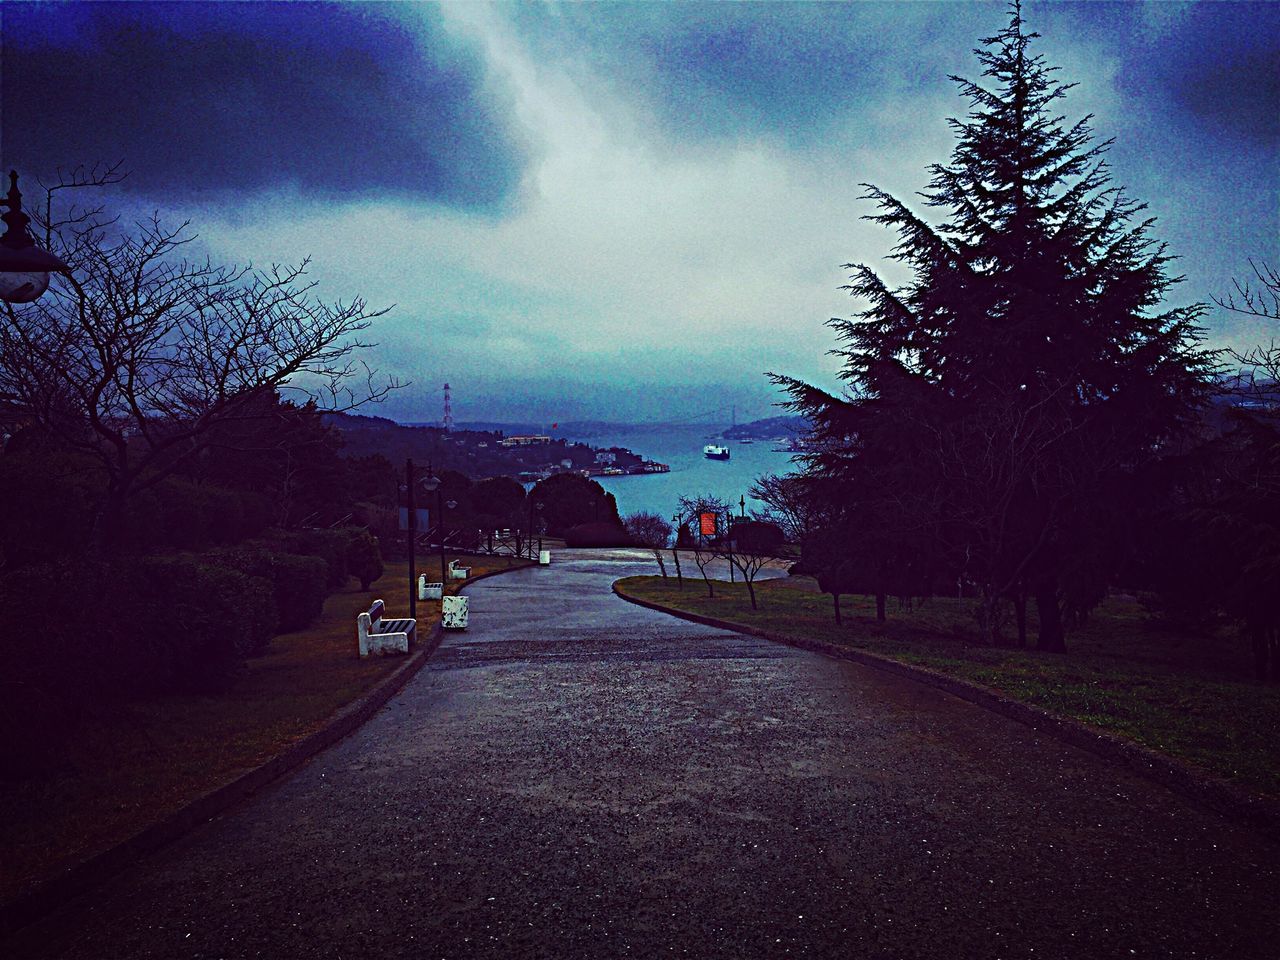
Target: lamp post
(412,524)
(448,504)
(431,484)
(742,506)
(533,505)
(675,550)
(538,506)
(728,540)
(24,267)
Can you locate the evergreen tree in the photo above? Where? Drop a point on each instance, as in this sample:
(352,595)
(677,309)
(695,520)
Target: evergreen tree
(998,401)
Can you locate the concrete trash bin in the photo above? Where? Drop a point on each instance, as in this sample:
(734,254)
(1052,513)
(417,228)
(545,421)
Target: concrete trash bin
(544,557)
(454,613)
(429,591)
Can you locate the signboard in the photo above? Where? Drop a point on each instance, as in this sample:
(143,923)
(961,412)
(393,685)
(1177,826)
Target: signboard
(422,516)
(707,524)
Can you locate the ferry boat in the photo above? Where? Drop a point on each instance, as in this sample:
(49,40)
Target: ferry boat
(714,451)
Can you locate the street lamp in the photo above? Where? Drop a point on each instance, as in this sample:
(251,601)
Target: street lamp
(431,483)
(675,550)
(411,526)
(24,267)
(529,537)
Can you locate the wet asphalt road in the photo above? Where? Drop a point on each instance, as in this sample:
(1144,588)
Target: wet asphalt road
(578,777)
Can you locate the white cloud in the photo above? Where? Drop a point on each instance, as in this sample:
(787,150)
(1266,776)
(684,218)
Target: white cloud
(627,257)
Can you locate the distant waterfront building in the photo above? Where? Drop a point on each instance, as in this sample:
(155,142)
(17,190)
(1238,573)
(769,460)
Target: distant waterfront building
(529,441)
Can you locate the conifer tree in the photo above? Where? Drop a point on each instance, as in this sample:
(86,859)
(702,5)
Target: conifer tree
(999,399)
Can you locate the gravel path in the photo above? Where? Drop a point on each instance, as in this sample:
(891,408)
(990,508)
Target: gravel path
(577,777)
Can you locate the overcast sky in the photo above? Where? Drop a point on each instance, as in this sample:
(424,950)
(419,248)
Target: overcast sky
(617,211)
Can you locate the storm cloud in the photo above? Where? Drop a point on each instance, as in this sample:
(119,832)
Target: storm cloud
(587,210)
(331,100)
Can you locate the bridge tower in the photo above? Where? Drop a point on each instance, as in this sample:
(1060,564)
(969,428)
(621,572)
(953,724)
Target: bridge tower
(447,422)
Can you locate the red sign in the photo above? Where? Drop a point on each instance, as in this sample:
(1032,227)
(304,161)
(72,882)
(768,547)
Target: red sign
(707,522)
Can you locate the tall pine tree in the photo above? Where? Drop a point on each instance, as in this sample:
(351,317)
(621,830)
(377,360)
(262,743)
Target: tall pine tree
(999,402)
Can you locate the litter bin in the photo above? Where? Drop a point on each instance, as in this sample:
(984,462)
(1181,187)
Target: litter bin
(544,557)
(454,613)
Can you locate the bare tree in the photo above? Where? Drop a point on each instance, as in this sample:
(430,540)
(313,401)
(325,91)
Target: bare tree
(753,543)
(705,548)
(790,504)
(650,530)
(1260,374)
(138,354)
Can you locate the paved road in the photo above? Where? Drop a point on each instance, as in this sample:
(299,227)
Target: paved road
(576,777)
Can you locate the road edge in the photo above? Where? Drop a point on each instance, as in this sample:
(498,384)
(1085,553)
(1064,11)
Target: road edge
(76,880)
(1260,813)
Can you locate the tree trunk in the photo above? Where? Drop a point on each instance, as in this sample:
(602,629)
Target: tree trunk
(1020,611)
(751,591)
(111,526)
(1051,637)
(835,599)
(1266,652)
(989,619)
(880,614)
(675,554)
(657,555)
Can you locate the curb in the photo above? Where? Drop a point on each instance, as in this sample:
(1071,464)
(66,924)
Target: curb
(1258,812)
(50,894)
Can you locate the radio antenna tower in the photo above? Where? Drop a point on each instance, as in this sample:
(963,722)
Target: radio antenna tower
(447,422)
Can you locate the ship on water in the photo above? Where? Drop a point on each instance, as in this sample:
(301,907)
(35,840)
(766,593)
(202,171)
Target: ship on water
(713,451)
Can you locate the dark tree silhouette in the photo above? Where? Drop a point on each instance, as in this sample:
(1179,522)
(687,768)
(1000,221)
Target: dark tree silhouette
(139,354)
(997,399)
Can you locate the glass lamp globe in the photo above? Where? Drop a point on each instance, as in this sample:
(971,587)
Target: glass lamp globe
(24,267)
(430,483)
(23,287)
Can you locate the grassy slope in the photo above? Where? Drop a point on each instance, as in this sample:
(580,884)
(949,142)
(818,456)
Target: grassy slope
(150,758)
(1188,696)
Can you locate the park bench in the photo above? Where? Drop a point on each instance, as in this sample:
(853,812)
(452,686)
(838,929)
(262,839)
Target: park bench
(379,636)
(458,573)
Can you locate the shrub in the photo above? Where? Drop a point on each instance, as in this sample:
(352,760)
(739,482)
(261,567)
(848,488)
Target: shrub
(47,507)
(298,583)
(364,561)
(329,545)
(597,535)
(758,537)
(111,631)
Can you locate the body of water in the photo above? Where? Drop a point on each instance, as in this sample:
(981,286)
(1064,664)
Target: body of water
(691,474)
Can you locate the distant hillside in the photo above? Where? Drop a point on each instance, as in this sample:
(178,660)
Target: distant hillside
(769,428)
(578,429)
(476,453)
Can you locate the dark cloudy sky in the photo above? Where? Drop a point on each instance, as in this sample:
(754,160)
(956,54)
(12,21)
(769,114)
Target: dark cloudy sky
(588,210)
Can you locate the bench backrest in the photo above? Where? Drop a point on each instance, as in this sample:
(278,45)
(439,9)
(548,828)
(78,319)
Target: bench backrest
(375,613)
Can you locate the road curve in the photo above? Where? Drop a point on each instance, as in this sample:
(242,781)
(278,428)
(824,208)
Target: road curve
(578,777)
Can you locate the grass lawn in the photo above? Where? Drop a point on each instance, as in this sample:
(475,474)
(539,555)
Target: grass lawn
(1189,696)
(149,758)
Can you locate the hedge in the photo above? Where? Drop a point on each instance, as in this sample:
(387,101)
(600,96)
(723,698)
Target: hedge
(75,637)
(299,583)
